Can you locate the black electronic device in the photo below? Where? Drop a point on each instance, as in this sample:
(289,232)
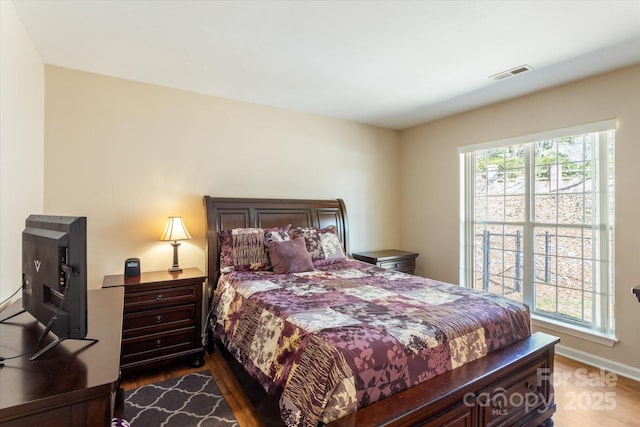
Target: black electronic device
(54,275)
(132,267)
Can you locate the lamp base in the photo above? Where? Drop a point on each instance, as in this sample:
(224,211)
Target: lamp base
(175,268)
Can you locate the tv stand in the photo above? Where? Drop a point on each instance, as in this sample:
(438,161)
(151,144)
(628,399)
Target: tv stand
(44,334)
(58,341)
(13,315)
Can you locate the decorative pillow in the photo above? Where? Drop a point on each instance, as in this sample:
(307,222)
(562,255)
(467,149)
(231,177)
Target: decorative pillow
(290,256)
(243,249)
(323,244)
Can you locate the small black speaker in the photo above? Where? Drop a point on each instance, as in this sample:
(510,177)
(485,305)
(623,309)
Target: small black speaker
(132,267)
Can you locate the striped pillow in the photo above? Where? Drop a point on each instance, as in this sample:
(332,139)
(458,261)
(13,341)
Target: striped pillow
(243,249)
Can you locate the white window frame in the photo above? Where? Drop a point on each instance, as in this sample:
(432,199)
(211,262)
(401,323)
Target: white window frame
(603,326)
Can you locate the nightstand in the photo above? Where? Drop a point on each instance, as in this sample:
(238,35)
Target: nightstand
(391,259)
(162,318)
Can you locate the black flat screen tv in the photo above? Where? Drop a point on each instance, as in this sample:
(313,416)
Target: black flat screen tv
(54,275)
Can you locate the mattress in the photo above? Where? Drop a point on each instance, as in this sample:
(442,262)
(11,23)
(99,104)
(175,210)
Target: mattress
(345,335)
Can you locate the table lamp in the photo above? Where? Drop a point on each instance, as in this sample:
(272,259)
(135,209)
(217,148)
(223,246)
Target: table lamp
(174,231)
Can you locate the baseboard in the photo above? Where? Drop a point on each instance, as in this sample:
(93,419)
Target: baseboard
(599,362)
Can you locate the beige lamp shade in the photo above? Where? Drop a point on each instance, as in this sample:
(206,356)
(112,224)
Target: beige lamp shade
(175,230)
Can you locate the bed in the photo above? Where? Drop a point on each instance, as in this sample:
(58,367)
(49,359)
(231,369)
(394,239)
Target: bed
(317,338)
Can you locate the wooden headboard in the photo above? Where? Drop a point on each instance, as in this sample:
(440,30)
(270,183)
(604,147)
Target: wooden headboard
(224,213)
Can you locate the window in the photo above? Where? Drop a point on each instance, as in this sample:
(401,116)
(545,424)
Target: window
(538,217)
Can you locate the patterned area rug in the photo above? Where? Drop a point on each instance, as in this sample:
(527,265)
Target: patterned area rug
(191,400)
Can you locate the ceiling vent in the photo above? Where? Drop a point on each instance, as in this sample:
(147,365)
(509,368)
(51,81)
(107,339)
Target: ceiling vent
(511,72)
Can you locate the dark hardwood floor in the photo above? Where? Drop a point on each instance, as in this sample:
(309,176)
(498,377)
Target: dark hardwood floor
(585,396)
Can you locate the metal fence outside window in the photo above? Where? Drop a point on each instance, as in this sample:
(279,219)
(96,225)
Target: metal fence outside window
(487,250)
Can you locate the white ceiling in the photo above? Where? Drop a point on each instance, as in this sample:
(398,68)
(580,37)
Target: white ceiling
(390,63)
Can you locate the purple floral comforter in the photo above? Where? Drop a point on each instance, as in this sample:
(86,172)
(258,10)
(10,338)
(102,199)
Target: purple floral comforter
(346,335)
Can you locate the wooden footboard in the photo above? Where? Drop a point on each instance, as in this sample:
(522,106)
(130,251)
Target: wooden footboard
(510,387)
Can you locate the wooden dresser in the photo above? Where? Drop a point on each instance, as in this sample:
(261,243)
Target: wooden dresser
(162,318)
(74,383)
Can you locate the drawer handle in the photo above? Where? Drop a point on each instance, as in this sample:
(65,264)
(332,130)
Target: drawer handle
(158,319)
(158,343)
(397,265)
(158,297)
(531,387)
(499,399)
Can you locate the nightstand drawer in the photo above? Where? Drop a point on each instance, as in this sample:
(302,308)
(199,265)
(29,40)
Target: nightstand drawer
(407,266)
(159,297)
(145,322)
(154,345)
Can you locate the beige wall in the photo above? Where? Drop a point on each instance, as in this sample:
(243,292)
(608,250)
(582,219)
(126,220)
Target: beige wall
(21,142)
(429,183)
(127,155)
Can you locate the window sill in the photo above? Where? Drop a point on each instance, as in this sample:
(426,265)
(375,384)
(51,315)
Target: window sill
(574,331)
